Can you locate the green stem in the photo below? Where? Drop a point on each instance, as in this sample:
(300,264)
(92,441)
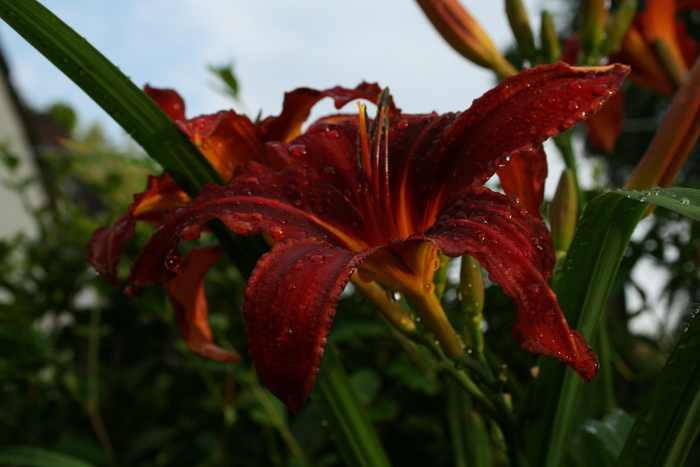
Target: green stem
(355,437)
(92,405)
(279,423)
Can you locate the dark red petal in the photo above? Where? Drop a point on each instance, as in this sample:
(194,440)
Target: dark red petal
(605,126)
(516,250)
(106,247)
(519,114)
(169,101)
(291,300)
(187,297)
(227,140)
(162,194)
(298,103)
(524,177)
(292,203)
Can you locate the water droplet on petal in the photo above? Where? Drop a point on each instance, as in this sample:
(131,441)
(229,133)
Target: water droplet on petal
(402,125)
(257,216)
(298,266)
(298,150)
(172,260)
(550,316)
(572,106)
(285,335)
(316,259)
(601,89)
(575,85)
(276,232)
(191,232)
(333,134)
(393,295)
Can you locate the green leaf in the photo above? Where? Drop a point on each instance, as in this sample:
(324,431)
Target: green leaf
(29,456)
(583,287)
(354,435)
(227,77)
(685,201)
(611,431)
(470,438)
(670,419)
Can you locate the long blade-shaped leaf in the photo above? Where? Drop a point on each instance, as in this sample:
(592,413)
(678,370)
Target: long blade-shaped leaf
(685,201)
(130,107)
(670,419)
(583,288)
(355,437)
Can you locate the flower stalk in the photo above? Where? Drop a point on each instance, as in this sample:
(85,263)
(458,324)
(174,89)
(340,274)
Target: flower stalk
(471,288)
(520,25)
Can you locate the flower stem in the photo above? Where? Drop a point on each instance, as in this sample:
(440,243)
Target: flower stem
(92,405)
(277,420)
(391,311)
(430,310)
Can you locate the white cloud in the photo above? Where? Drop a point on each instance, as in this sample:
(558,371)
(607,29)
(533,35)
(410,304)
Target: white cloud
(276,46)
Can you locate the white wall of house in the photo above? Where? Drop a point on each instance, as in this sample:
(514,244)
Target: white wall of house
(14,217)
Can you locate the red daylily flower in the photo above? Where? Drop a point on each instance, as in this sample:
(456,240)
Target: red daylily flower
(227,139)
(382,198)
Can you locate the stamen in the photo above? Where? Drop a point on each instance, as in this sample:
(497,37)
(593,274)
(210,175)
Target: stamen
(363,160)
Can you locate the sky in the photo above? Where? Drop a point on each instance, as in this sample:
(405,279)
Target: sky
(276,46)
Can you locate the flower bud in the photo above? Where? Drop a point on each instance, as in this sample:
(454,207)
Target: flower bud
(551,50)
(593,18)
(465,35)
(563,212)
(618,26)
(471,287)
(520,25)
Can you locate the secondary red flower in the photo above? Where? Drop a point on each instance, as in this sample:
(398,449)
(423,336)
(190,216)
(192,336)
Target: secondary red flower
(658,47)
(383,197)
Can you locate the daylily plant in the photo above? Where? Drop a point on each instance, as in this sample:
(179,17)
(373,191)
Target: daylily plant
(226,139)
(659,51)
(380,198)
